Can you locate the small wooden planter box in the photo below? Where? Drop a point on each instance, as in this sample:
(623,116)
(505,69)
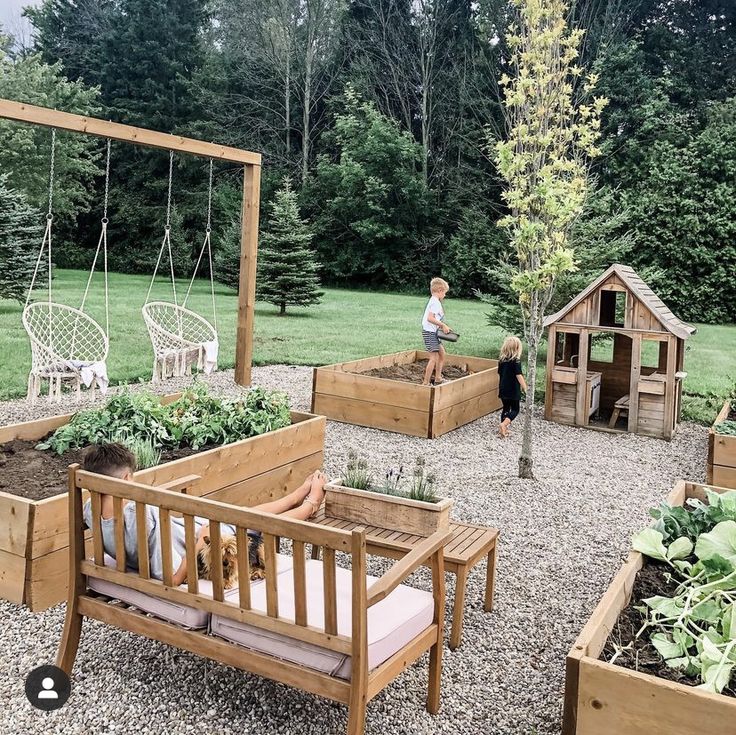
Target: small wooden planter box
(34,535)
(721,455)
(387,511)
(605,699)
(342,393)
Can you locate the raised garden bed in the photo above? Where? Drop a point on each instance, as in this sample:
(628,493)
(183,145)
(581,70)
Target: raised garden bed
(34,533)
(354,393)
(721,469)
(606,699)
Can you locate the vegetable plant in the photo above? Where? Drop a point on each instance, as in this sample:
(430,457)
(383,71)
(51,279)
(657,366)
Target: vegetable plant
(196,419)
(695,629)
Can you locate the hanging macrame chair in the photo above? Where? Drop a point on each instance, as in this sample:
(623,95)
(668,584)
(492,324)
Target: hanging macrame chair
(67,345)
(181,338)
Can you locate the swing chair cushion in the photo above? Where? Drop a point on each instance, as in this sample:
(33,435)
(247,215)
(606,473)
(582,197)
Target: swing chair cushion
(63,339)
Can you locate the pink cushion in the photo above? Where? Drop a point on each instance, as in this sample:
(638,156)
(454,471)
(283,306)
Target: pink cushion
(392,623)
(172,612)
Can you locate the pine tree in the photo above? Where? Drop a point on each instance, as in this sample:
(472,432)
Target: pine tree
(20,236)
(288,271)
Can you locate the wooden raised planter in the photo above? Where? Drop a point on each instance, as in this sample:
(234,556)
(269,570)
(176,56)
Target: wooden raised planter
(342,393)
(721,469)
(605,699)
(34,536)
(387,511)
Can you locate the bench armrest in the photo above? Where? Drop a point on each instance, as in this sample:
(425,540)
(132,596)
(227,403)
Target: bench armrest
(416,558)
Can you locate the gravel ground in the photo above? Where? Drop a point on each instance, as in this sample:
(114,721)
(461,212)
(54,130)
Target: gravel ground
(562,539)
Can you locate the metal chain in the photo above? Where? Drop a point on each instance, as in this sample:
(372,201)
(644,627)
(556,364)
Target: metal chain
(209,201)
(168,201)
(51,174)
(107,183)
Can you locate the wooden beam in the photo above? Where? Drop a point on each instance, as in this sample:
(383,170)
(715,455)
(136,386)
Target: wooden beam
(670,390)
(22,112)
(247,284)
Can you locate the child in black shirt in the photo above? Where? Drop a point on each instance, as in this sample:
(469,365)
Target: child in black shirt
(510,382)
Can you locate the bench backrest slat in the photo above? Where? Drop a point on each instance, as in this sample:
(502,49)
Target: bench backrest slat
(190,542)
(300,584)
(330,591)
(241,537)
(218,592)
(166,558)
(272,592)
(141,530)
(117,512)
(97,546)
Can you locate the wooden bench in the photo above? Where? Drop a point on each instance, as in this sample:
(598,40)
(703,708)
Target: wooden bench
(305,606)
(468,546)
(621,407)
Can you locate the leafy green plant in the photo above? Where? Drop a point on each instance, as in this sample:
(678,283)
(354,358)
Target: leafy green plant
(422,483)
(196,419)
(695,629)
(357,474)
(726,427)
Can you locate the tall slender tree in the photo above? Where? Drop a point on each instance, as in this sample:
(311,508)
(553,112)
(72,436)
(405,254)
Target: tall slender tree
(544,162)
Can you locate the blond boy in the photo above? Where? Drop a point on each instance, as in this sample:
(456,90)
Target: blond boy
(432,323)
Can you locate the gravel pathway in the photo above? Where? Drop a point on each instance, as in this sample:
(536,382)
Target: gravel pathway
(562,539)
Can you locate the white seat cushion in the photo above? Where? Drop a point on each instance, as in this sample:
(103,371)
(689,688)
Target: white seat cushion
(392,623)
(172,612)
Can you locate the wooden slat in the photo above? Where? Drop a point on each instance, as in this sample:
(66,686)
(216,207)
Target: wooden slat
(330,591)
(463,413)
(241,537)
(218,587)
(16,515)
(633,420)
(300,584)
(190,541)
(272,592)
(144,568)
(581,412)
(99,552)
(166,555)
(368,388)
(22,112)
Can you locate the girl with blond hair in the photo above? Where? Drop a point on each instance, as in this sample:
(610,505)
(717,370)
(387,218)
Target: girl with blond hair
(510,382)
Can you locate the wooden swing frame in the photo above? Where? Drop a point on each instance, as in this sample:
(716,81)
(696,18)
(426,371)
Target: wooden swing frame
(251,162)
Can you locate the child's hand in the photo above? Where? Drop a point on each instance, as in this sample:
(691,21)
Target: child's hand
(445,328)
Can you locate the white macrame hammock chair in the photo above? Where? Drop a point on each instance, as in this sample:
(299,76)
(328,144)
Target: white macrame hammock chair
(67,344)
(181,338)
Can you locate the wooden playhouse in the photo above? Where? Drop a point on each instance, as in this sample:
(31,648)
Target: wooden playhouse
(615,358)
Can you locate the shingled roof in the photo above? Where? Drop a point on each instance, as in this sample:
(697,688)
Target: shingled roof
(642,292)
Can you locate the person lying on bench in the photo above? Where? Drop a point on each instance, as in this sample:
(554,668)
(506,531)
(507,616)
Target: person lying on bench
(116,460)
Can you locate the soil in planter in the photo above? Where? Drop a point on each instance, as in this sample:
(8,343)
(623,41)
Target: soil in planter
(643,656)
(35,474)
(413,372)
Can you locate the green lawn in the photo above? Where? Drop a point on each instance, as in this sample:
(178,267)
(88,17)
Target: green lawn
(346,325)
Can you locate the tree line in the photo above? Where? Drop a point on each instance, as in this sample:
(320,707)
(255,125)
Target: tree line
(379,113)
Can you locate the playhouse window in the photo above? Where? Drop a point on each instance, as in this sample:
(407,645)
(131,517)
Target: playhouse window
(612,309)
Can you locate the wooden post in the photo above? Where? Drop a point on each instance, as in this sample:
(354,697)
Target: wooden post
(670,389)
(581,404)
(633,424)
(548,387)
(73,619)
(247,283)
(359,663)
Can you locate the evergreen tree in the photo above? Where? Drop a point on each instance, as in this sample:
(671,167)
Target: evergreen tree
(20,235)
(288,271)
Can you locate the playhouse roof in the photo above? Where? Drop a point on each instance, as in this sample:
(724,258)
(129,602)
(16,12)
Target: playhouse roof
(642,292)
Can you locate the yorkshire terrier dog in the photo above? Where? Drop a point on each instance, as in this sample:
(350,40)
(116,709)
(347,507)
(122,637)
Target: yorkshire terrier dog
(229,556)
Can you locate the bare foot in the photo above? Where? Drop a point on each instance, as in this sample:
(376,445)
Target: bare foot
(317,490)
(303,490)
